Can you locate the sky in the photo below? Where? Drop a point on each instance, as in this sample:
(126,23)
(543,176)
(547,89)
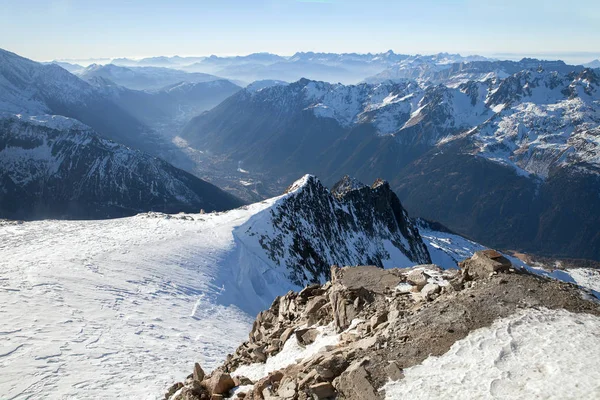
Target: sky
(79,29)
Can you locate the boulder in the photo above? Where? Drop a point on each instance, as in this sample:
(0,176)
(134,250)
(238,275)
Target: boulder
(354,384)
(259,354)
(311,290)
(173,389)
(483,264)
(262,385)
(286,335)
(287,307)
(343,305)
(198,388)
(199,393)
(331,366)
(418,278)
(323,390)
(242,381)
(219,383)
(378,320)
(314,305)
(394,372)
(306,336)
(430,290)
(287,388)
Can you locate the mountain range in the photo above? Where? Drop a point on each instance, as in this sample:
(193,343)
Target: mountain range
(462,140)
(333,67)
(454,73)
(56,167)
(522,149)
(168,109)
(70,149)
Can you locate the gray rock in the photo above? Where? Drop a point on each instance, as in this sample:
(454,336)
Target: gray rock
(430,290)
(332,366)
(419,278)
(286,335)
(323,390)
(354,384)
(394,372)
(314,305)
(378,320)
(219,383)
(306,336)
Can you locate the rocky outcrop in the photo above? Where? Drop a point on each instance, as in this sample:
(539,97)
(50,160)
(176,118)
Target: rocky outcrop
(347,338)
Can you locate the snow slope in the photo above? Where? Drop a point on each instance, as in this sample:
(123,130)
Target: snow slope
(524,356)
(114,308)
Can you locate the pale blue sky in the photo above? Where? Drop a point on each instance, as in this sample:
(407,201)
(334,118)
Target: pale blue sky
(54,29)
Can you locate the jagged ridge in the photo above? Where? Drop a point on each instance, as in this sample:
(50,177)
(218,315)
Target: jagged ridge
(311,228)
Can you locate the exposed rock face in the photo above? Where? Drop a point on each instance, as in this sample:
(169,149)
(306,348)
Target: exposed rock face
(378,328)
(360,225)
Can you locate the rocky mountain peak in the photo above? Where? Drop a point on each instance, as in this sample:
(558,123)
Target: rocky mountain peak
(364,226)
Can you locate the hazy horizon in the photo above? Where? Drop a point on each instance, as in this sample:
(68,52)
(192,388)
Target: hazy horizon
(64,29)
(569,58)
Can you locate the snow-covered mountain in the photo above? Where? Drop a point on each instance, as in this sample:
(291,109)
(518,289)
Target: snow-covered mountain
(72,68)
(107,299)
(31,88)
(348,68)
(545,120)
(536,128)
(143,78)
(301,119)
(542,103)
(56,167)
(453,71)
(160,61)
(57,161)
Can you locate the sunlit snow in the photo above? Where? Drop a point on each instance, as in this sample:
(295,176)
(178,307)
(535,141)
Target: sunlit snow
(535,354)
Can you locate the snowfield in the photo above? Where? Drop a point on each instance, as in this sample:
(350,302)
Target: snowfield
(118,308)
(537,354)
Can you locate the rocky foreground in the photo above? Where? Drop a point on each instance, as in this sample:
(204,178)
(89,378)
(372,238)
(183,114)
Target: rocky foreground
(349,337)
